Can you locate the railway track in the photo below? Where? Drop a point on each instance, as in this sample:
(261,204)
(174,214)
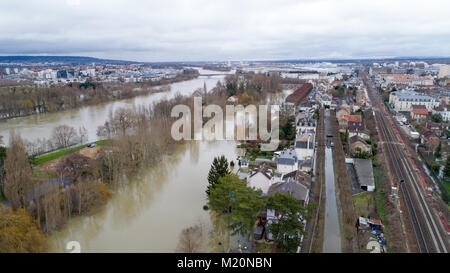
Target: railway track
(417,230)
(427,233)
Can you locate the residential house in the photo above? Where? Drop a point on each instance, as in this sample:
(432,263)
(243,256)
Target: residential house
(344,120)
(305,122)
(435,127)
(287,161)
(244,163)
(304,145)
(419,113)
(305,165)
(356,128)
(343,110)
(233,99)
(325,100)
(357,143)
(293,188)
(443,111)
(261,179)
(357,106)
(300,176)
(430,139)
(307,107)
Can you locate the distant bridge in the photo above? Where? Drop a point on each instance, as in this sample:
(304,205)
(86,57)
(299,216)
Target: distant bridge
(218,74)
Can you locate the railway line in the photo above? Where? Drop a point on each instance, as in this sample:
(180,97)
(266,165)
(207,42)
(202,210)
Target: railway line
(428,234)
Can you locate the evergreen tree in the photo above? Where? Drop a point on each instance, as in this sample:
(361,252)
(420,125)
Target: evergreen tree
(240,204)
(437,152)
(447,168)
(219,168)
(288,229)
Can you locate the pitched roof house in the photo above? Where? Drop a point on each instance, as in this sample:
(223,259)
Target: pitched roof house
(344,120)
(343,110)
(261,179)
(356,142)
(293,188)
(287,161)
(419,112)
(430,139)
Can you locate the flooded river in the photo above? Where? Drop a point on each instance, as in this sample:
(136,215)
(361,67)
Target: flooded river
(148,214)
(41,126)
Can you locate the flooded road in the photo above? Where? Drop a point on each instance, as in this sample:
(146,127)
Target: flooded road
(332,233)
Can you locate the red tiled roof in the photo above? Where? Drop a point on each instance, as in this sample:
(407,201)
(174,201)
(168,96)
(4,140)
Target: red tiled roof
(351,118)
(300,93)
(419,110)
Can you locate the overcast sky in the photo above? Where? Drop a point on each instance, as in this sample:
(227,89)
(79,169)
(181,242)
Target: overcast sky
(196,30)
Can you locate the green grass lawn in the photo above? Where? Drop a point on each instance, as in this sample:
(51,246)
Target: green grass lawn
(44,174)
(380,199)
(364,203)
(51,156)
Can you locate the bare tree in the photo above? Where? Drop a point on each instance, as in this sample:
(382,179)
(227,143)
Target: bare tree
(73,165)
(83,134)
(105,130)
(18,173)
(64,136)
(123,120)
(191,240)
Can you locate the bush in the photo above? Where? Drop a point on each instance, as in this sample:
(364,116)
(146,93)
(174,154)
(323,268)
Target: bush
(19,232)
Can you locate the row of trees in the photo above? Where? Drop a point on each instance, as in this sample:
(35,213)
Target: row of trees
(41,203)
(63,136)
(256,86)
(18,101)
(19,232)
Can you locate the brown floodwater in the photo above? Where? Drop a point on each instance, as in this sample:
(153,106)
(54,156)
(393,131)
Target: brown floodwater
(41,125)
(148,214)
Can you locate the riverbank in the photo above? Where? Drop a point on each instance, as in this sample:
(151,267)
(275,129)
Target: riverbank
(44,100)
(38,160)
(38,127)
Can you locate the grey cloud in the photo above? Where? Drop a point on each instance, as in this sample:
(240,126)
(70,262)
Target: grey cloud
(218,30)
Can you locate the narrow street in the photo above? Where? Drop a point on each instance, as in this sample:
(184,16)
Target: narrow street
(332,232)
